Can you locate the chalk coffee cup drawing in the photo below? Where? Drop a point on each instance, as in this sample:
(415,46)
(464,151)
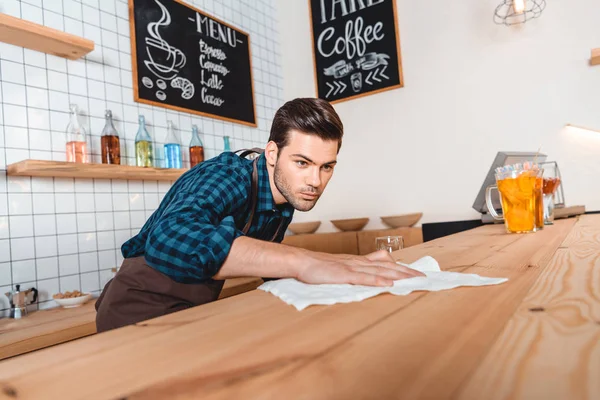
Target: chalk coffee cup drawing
(356,81)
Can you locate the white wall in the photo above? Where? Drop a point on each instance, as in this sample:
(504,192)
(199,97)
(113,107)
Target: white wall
(66,234)
(472,88)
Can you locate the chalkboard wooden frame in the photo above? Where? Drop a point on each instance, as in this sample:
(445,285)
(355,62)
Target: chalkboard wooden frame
(138,99)
(315,70)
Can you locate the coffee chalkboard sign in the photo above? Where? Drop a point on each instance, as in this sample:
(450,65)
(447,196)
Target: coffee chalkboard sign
(356,48)
(187,60)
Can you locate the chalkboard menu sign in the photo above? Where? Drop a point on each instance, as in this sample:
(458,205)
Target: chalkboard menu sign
(187,60)
(356,48)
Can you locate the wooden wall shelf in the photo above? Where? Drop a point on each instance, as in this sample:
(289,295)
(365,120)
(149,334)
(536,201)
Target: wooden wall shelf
(62,169)
(584,128)
(595,60)
(37,37)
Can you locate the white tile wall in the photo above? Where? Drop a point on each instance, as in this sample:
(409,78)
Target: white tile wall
(65,234)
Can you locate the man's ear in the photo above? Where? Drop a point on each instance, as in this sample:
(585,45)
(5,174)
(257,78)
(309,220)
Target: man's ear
(271,153)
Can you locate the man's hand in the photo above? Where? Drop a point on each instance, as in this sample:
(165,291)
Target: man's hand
(251,257)
(381,255)
(375,269)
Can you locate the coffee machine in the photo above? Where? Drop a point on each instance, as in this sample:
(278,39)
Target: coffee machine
(18,301)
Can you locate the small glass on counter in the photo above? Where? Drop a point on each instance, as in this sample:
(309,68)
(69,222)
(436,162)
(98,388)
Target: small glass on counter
(389,243)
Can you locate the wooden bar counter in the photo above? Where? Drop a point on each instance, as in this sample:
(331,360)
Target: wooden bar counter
(536,336)
(58,325)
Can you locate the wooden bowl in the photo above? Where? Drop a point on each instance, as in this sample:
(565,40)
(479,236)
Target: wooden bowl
(346,225)
(401,221)
(300,228)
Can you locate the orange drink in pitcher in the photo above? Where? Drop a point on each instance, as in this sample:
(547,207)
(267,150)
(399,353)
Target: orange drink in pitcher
(520,191)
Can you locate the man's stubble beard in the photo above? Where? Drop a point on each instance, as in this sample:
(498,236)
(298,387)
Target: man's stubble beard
(288,194)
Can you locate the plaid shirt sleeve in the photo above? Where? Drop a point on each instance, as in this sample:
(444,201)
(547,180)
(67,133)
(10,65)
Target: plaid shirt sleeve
(197,228)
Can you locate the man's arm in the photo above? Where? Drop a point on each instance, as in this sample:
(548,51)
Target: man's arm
(194,233)
(196,237)
(251,257)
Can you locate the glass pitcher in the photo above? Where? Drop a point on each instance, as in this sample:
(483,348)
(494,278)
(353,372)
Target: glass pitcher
(552,182)
(521,197)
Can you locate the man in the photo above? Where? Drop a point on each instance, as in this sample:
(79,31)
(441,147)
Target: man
(218,221)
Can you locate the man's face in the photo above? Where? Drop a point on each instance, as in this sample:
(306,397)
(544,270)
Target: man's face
(303,168)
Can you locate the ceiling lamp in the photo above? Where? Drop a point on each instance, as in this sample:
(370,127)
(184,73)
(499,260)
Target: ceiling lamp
(512,12)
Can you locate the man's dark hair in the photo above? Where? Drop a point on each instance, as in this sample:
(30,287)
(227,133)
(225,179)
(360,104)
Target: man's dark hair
(307,115)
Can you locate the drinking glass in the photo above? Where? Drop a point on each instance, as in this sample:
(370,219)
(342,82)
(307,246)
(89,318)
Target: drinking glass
(389,243)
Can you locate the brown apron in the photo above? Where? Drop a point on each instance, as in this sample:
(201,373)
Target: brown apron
(139,292)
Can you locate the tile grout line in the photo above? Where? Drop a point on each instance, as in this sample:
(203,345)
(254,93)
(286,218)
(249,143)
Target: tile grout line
(10,262)
(75,181)
(30,187)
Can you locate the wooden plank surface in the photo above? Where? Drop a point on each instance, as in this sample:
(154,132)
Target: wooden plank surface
(595,59)
(566,212)
(64,169)
(550,348)
(33,36)
(438,338)
(47,328)
(425,345)
(235,286)
(334,242)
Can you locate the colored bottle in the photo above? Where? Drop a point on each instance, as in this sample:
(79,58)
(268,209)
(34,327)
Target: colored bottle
(143,145)
(196,148)
(76,141)
(111,147)
(172,148)
(226,145)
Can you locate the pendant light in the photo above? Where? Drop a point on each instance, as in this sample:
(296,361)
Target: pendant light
(512,12)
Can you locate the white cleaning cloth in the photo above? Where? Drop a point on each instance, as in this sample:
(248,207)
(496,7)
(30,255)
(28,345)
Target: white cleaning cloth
(302,295)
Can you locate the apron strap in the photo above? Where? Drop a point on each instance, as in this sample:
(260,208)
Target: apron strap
(246,152)
(253,196)
(254,192)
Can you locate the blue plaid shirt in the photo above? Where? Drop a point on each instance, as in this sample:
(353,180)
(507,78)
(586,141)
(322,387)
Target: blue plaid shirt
(190,234)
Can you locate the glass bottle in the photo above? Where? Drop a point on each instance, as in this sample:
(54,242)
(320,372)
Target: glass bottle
(143,145)
(76,140)
(111,147)
(172,148)
(196,148)
(226,145)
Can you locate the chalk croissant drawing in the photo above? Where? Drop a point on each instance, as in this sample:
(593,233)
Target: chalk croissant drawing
(157,47)
(187,87)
